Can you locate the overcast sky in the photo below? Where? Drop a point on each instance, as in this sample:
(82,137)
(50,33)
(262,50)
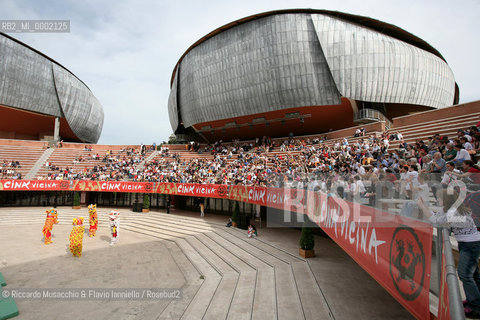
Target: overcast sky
(125,50)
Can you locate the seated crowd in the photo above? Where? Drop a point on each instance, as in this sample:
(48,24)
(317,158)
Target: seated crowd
(292,162)
(9,169)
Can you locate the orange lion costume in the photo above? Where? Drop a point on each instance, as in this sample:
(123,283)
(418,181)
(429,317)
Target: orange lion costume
(52,218)
(76,237)
(93,219)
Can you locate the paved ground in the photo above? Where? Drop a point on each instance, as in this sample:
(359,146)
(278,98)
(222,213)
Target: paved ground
(222,274)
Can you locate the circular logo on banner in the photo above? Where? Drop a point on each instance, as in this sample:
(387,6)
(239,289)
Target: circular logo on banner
(64,185)
(148,187)
(222,191)
(407,263)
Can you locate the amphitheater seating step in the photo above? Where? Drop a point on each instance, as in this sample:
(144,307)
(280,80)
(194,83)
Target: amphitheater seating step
(202,299)
(177,307)
(307,285)
(220,303)
(242,302)
(264,305)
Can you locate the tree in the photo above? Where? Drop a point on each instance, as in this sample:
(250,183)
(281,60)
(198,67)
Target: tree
(307,240)
(76,199)
(236,212)
(172,139)
(146,201)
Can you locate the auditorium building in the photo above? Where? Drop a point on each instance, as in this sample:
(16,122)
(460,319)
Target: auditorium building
(42,100)
(303,71)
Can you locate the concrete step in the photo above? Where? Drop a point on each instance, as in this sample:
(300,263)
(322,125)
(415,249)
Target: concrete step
(185,221)
(264,246)
(164,220)
(242,302)
(288,301)
(406,127)
(264,305)
(176,308)
(313,302)
(241,242)
(222,299)
(147,232)
(200,303)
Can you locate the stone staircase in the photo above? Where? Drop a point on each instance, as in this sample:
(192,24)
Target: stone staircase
(243,278)
(141,165)
(39,164)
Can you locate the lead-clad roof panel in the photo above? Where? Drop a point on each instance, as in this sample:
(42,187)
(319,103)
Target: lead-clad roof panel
(405,69)
(31,81)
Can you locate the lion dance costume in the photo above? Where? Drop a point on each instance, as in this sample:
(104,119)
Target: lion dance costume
(52,218)
(114,224)
(76,237)
(92,211)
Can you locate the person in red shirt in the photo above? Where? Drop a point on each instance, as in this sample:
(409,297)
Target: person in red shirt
(470,171)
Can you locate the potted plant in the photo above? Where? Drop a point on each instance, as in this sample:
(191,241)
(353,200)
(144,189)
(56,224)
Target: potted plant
(236,212)
(76,200)
(146,203)
(307,242)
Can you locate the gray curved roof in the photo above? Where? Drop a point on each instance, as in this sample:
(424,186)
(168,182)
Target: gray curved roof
(374,24)
(294,58)
(31,81)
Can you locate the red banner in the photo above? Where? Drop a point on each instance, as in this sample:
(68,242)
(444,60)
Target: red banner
(443,301)
(113,186)
(394,250)
(34,185)
(193,190)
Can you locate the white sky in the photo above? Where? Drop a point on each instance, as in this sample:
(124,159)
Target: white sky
(125,50)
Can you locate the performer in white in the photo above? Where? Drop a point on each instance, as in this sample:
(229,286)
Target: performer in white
(114,225)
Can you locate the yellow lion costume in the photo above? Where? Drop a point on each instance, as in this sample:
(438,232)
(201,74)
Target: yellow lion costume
(76,237)
(93,219)
(52,218)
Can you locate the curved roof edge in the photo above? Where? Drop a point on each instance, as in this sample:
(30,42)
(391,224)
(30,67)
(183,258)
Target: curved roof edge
(43,55)
(377,25)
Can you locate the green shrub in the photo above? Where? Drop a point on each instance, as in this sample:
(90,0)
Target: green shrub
(146,201)
(307,240)
(236,212)
(76,199)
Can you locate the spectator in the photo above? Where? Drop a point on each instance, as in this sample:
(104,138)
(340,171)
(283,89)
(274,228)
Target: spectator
(462,155)
(471,172)
(468,238)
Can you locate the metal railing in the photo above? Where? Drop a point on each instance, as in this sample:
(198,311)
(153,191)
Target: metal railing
(369,115)
(454,296)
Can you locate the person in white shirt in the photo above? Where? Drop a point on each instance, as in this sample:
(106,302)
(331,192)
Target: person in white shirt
(361,170)
(459,219)
(357,188)
(462,155)
(421,190)
(448,177)
(466,144)
(412,177)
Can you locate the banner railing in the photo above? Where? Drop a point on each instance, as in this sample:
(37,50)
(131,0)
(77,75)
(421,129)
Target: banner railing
(395,250)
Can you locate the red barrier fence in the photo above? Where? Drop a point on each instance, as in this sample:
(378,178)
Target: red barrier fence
(394,250)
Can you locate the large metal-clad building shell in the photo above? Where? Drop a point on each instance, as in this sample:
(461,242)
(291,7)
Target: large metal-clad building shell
(34,90)
(256,75)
